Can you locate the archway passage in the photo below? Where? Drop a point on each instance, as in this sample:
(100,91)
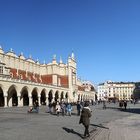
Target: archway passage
(1,97)
(24,95)
(78,97)
(14,99)
(43,98)
(50,96)
(34,96)
(25,100)
(66,97)
(12,96)
(62,96)
(56,96)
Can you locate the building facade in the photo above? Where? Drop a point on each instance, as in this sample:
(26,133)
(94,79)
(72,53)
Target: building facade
(22,81)
(115,90)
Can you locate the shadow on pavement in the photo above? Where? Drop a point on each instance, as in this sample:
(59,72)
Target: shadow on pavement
(72,131)
(101,126)
(130,110)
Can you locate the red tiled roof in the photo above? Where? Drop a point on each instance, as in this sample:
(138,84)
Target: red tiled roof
(46,79)
(14,73)
(34,77)
(64,81)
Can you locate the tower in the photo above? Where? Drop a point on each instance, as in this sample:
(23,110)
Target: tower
(72,76)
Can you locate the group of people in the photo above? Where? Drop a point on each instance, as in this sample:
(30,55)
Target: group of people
(123,104)
(83,111)
(57,107)
(35,108)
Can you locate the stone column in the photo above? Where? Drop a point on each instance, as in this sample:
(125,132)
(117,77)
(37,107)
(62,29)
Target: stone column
(79,97)
(58,98)
(53,99)
(30,101)
(47,101)
(39,100)
(5,101)
(19,103)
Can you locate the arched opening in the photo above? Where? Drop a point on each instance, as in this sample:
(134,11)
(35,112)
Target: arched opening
(79,97)
(56,96)
(25,99)
(1,97)
(12,96)
(50,96)
(24,96)
(43,97)
(34,95)
(66,97)
(62,96)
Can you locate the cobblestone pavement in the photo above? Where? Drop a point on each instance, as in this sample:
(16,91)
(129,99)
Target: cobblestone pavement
(109,124)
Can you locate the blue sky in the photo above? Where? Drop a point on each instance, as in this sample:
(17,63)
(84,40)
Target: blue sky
(103,34)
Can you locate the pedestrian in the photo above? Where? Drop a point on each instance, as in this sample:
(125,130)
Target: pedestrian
(120,104)
(54,107)
(78,108)
(57,108)
(37,106)
(104,105)
(85,118)
(125,104)
(63,108)
(69,109)
(30,110)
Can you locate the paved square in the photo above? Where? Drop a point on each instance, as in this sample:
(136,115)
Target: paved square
(17,124)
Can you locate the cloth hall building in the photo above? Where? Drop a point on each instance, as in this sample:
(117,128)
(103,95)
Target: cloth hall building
(23,81)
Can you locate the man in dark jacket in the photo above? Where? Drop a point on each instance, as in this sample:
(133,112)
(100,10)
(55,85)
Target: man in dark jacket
(84,118)
(78,108)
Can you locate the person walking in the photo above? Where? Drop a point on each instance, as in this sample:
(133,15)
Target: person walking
(63,108)
(125,104)
(37,106)
(58,108)
(69,109)
(78,108)
(104,105)
(85,118)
